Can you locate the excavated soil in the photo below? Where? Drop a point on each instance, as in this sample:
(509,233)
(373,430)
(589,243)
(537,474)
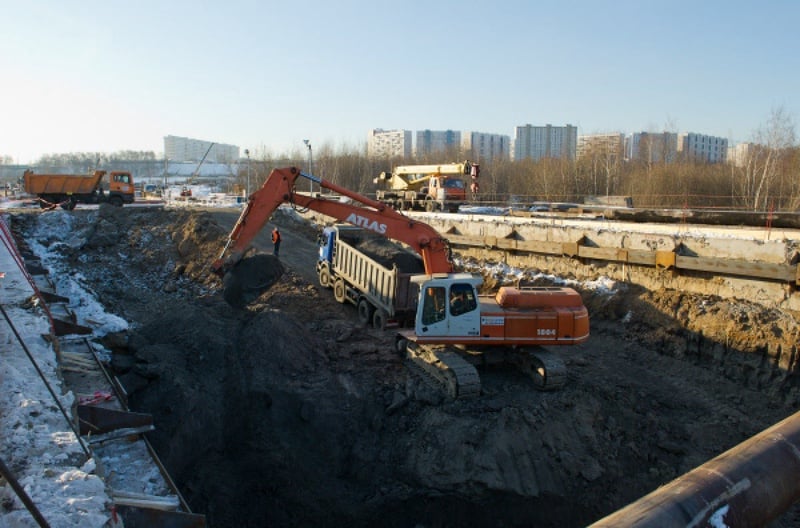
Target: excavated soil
(286,412)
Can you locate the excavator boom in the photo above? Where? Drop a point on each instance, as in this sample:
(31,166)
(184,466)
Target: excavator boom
(279,188)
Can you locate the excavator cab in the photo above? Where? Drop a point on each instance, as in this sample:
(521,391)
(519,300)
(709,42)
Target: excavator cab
(448,305)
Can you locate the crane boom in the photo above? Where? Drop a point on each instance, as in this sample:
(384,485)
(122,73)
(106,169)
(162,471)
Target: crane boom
(197,169)
(279,188)
(444,168)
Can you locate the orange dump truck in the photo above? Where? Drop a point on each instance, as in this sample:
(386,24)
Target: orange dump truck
(67,190)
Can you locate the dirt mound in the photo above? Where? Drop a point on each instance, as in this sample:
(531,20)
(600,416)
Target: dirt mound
(251,277)
(388,253)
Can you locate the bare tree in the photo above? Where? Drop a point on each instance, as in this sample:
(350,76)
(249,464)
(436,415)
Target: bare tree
(762,167)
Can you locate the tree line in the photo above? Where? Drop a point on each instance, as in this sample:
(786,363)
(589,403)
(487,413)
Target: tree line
(769,179)
(766,178)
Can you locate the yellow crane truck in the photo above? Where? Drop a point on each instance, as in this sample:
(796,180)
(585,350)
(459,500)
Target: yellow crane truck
(427,187)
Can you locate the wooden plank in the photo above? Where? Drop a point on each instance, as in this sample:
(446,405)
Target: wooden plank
(659,258)
(542,247)
(120,433)
(508,244)
(140,500)
(134,517)
(599,253)
(643,257)
(461,240)
(570,249)
(781,272)
(99,420)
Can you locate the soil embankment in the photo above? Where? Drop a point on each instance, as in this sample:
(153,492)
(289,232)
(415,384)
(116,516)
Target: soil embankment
(288,413)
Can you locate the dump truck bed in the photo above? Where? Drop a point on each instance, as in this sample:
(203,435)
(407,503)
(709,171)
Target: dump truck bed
(387,288)
(61,183)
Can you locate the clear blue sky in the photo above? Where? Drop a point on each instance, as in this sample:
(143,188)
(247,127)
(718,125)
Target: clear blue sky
(101,76)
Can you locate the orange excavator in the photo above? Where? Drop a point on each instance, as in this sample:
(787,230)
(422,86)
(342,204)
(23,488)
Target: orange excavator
(455,327)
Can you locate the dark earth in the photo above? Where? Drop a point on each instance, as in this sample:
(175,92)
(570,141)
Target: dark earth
(286,412)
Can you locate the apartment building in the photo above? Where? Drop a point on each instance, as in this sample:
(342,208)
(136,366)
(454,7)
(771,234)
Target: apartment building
(432,141)
(653,147)
(541,142)
(178,148)
(611,145)
(740,154)
(482,147)
(699,147)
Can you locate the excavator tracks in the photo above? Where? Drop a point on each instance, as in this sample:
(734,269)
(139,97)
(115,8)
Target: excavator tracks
(445,368)
(547,369)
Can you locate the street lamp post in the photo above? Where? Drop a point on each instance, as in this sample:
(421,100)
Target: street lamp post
(310,166)
(247,153)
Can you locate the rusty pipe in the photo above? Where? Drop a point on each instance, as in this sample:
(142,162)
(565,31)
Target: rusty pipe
(749,485)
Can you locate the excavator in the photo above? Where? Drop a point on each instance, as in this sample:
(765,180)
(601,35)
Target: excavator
(455,327)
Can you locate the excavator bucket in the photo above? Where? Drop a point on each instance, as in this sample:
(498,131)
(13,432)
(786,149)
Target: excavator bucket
(251,277)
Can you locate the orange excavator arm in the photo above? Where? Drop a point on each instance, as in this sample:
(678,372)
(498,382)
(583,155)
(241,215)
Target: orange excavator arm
(279,188)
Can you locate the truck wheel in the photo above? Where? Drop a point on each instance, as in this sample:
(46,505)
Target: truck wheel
(116,201)
(339,291)
(401,205)
(69,205)
(324,277)
(379,320)
(430,206)
(365,311)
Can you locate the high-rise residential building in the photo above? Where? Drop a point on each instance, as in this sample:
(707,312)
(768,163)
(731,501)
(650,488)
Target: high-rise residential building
(389,143)
(699,147)
(433,141)
(481,147)
(611,145)
(178,148)
(653,147)
(540,142)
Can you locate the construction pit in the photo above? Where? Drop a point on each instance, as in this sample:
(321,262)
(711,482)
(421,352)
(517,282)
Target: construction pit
(285,411)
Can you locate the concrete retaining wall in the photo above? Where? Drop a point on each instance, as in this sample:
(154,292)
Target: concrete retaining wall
(754,245)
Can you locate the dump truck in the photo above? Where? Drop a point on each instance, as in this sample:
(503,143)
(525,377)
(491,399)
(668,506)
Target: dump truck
(68,190)
(427,187)
(371,272)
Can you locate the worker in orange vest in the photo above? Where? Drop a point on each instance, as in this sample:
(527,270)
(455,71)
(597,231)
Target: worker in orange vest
(276,241)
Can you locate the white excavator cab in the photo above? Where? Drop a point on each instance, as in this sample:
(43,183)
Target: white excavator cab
(448,305)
